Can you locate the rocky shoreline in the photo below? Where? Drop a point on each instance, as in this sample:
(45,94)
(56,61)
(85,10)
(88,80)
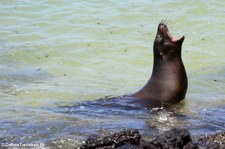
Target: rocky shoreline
(172,139)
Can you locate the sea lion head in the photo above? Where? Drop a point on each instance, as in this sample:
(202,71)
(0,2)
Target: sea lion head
(166,46)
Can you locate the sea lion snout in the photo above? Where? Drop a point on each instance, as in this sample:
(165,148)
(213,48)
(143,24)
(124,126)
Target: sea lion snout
(162,28)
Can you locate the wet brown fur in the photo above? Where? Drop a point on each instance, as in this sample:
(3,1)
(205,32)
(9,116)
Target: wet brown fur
(168,82)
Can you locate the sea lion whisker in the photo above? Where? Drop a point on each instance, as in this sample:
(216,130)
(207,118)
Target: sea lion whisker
(164,21)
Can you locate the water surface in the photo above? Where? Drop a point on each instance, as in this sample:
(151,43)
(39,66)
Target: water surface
(58,57)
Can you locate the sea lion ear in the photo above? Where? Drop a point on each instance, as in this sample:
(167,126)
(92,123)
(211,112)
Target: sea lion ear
(180,41)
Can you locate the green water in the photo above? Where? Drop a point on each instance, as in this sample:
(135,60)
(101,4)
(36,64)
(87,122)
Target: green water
(57,53)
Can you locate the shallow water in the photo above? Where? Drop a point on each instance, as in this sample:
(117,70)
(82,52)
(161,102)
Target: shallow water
(58,57)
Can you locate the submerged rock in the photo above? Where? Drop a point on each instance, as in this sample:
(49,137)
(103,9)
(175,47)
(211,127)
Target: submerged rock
(172,139)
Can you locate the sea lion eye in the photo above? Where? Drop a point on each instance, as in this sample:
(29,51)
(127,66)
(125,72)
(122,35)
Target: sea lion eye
(165,44)
(161,41)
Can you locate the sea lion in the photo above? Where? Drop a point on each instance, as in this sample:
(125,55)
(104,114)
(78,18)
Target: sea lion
(168,82)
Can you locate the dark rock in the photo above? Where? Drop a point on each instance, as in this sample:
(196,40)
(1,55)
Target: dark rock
(172,139)
(215,141)
(128,136)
